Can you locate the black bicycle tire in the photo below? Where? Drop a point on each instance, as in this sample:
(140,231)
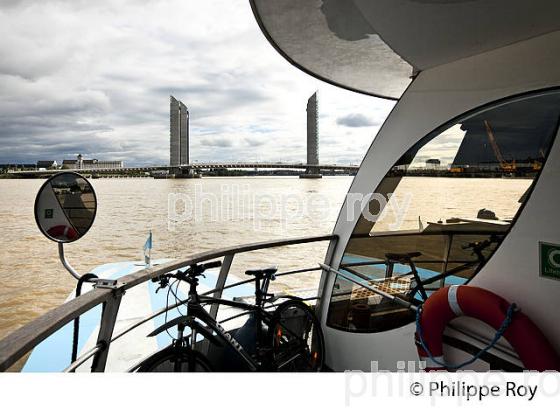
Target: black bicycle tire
(311,314)
(171,353)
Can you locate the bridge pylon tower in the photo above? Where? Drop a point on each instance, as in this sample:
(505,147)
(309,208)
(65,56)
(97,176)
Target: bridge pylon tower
(312,138)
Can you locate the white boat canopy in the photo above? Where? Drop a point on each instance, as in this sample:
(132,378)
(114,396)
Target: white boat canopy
(376,46)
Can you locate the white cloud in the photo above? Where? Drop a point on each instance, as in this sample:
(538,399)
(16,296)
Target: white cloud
(356,120)
(95,77)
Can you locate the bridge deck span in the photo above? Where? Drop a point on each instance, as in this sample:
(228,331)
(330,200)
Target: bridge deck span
(200,166)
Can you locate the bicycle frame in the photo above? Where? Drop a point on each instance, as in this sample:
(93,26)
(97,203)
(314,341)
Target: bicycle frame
(197,311)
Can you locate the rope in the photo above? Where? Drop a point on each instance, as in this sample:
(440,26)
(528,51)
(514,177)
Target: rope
(499,333)
(86,278)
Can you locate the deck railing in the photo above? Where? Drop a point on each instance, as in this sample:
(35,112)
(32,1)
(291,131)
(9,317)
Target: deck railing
(17,344)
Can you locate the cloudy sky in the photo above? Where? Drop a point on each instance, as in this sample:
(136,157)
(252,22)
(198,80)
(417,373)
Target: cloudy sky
(94,77)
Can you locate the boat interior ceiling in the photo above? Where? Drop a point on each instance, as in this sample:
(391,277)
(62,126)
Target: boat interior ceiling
(345,41)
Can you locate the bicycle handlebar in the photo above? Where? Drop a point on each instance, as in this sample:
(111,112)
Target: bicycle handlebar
(192,271)
(211,265)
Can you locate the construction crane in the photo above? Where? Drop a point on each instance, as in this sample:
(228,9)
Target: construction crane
(537,164)
(504,165)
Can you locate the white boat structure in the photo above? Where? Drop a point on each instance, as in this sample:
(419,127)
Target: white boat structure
(447,249)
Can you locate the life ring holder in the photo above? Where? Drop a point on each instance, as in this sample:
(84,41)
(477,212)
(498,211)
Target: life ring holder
(460,300)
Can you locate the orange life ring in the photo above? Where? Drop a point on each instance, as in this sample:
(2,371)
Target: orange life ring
(63,232)
(534,350)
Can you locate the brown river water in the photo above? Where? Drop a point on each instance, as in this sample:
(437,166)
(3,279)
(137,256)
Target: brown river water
(195,215)
(186,216)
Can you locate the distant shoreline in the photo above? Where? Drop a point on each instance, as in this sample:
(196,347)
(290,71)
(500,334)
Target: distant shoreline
(204,175)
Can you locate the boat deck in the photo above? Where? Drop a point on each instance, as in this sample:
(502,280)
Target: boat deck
(54,353)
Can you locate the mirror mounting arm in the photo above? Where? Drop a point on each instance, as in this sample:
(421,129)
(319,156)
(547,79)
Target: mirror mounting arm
(65,263)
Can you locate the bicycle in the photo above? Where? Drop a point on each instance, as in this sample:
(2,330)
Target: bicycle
(287,339)
(476,248)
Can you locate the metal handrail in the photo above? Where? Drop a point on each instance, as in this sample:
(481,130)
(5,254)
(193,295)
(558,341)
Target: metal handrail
(417,262)
(83,358)
(383,294)
(17,344)
(244,282)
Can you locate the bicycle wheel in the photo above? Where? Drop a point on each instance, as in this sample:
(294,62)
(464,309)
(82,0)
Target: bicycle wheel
(297,339)
(175,359)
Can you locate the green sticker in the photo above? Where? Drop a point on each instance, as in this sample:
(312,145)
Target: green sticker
(550,260)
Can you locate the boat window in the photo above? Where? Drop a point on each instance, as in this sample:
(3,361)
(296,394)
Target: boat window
(442,210)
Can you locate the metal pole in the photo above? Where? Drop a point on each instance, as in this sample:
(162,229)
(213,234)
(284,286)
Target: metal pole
(385,295)
(65,263)
(219,288)
(220,283)
(108,320)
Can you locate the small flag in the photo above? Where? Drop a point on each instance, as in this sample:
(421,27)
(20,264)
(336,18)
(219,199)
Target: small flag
(148,250)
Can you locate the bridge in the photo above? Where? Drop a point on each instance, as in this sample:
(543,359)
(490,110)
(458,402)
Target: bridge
(197,166)
(179,153)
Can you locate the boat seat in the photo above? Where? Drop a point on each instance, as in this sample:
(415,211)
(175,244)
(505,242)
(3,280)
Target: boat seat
(402,256)
(264,272)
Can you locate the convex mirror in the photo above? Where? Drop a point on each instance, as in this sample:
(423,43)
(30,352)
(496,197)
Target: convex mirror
(65,207)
